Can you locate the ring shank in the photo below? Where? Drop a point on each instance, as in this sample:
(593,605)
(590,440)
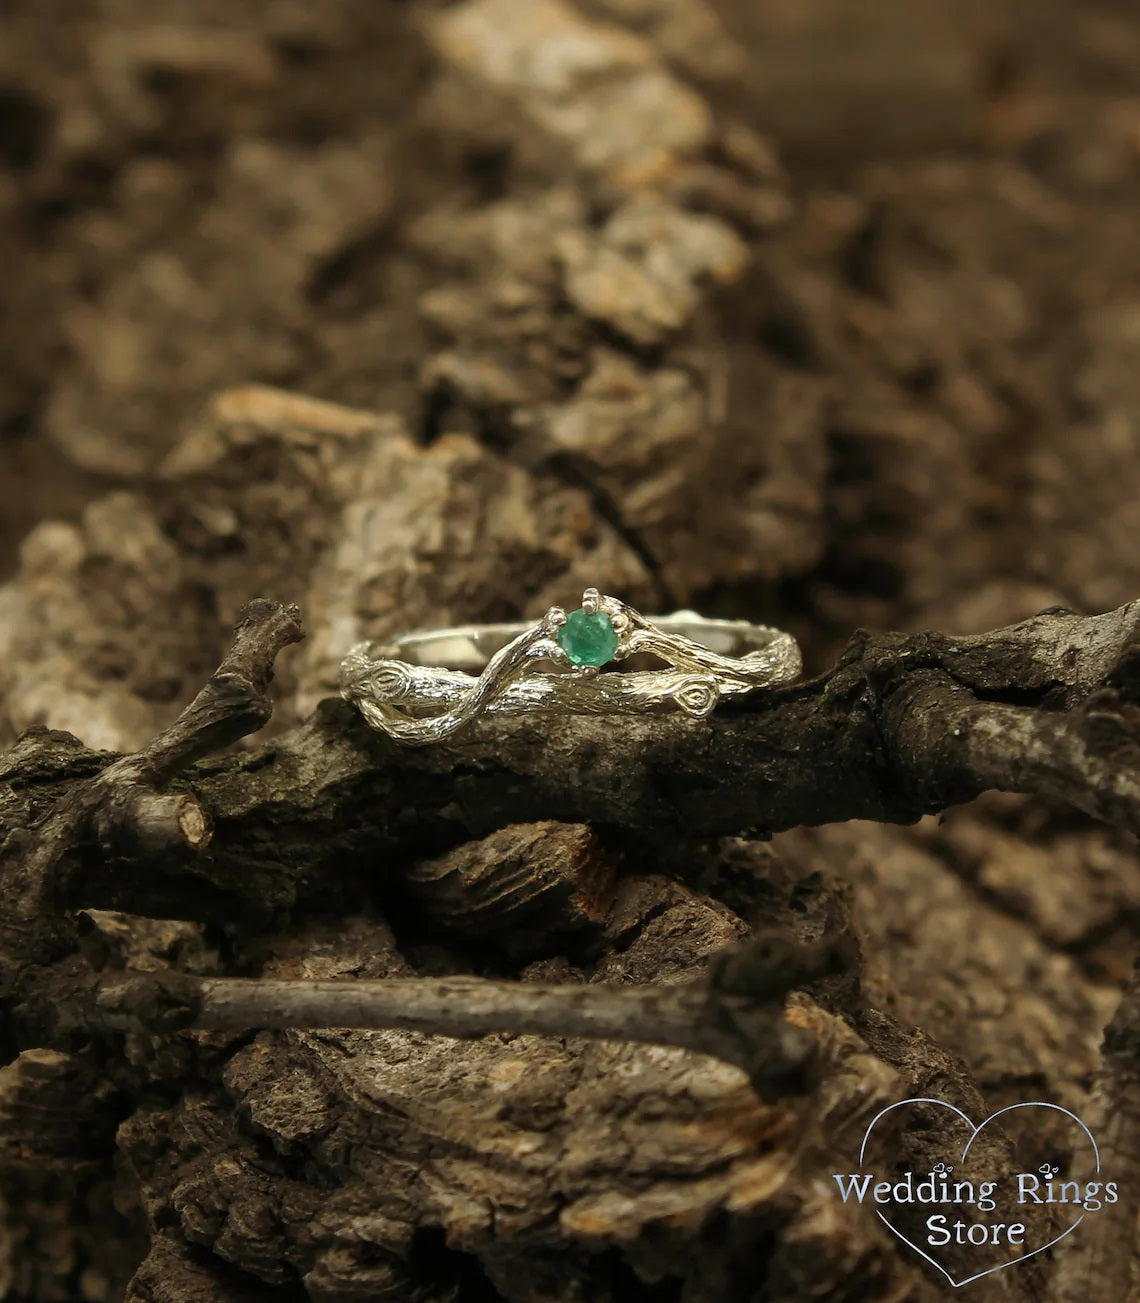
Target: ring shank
(425,686)
(470,647)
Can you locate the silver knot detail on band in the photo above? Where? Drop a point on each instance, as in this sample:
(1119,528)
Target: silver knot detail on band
(426,686)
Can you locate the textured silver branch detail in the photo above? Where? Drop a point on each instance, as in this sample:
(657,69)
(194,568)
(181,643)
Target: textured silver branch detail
(398,689)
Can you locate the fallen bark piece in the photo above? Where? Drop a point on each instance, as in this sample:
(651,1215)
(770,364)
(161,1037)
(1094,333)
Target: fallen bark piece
(641,274)
(596,87)
(520,887)
(537,1160)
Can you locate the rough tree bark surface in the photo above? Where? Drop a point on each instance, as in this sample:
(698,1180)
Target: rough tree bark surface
(328,322)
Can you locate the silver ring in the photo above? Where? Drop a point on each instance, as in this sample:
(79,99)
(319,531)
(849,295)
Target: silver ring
(426,686)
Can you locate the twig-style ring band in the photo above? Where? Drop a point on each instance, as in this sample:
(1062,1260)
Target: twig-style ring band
(423,687)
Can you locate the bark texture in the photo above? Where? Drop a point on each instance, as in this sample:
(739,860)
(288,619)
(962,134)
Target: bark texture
(375,317)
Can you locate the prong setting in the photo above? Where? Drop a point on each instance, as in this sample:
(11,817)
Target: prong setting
(549,649)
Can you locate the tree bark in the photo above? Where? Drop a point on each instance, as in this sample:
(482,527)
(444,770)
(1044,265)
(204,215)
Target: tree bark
(567,1010)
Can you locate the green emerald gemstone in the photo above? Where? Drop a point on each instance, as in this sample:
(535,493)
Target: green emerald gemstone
(588,639)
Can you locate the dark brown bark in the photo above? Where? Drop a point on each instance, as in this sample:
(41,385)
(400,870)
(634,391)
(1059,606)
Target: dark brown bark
(819,314)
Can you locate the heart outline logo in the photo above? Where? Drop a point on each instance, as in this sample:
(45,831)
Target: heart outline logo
(975,1132)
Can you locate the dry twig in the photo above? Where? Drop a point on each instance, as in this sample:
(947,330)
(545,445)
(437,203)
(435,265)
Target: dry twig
(734,1015)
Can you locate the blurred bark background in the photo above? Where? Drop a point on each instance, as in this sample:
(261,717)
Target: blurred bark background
(821,313)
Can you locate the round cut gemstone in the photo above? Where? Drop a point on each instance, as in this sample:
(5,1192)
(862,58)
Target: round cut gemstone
(588,639)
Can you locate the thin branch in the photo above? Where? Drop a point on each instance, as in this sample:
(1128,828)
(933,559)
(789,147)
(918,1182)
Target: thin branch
(733,1014)
(121,809)
(137,822)
(234,702)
